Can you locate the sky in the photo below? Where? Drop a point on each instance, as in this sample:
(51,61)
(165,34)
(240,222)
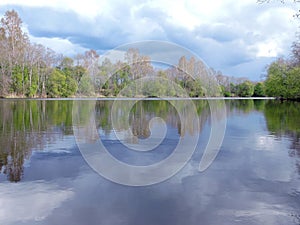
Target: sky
(238,38)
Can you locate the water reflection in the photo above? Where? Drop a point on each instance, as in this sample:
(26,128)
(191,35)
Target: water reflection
(27,125)
(283,120)
(254,180)
(30,124)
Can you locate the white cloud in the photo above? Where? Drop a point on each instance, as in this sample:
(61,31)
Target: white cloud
(59,45)
(30,201)
(225,32)
(268,49)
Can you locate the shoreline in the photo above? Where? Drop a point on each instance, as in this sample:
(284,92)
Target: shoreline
(144,98)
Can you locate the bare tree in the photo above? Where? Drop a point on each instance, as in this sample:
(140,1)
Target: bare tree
(297,15)
(140,65)
(14,41)
(282,1)
(91,63)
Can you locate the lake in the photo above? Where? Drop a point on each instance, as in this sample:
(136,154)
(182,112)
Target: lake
(254,178)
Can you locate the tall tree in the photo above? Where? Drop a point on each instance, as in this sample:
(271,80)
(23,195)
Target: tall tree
(140,65)
(3,63)
(91,62)
(14,41)
(275,83)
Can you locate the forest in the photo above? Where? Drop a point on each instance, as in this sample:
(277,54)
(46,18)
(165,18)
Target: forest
(31,70)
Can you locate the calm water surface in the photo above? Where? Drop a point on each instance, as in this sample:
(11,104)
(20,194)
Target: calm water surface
(254,179)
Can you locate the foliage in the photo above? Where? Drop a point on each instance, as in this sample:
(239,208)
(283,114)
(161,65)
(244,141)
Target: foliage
(259,90)
(283,116)
(56,84)
(293,83)
(274,83)
(61,84)
(283,80)
(194,88)
(245,89)
(283,75)
(32,70)
(85,87)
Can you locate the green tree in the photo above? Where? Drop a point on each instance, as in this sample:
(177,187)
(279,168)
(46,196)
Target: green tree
(71,86)
(283,76)
(56,84)
(194,87)
(13,45)
(293,83)
(85,86)
(78,73)
(16,80)
(276,79)
(245,89)
(259,90)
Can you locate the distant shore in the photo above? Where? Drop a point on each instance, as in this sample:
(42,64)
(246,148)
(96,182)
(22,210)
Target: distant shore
(142,98)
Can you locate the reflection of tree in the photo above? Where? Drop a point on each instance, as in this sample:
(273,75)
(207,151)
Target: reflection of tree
(283,117)
(283,120)
(25,125)
(295,148)
(143,111)
(18,151)
(243,105)
(139,121)
(30,124)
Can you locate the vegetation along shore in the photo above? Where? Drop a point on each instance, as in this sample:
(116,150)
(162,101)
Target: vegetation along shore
(29,70)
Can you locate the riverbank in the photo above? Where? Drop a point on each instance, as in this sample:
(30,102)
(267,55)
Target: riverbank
(144,98)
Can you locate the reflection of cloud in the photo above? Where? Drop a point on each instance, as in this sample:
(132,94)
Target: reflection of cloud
(261,212)
(265,143)
(30,201)
(231,191)
(56,147)
(268,147)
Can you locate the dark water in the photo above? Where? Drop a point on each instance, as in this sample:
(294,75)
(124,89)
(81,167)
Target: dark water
(254,179)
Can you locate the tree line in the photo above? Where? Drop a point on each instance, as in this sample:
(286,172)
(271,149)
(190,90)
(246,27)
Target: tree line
(283,75)
(33,70)
(283,78)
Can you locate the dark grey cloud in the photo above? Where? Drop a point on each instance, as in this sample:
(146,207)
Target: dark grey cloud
(48,22)
(234,38)
(219,32)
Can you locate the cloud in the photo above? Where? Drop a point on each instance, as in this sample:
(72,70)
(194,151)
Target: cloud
(255,68)
(88,8)
(59,45)
(225,33)
(30,201)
